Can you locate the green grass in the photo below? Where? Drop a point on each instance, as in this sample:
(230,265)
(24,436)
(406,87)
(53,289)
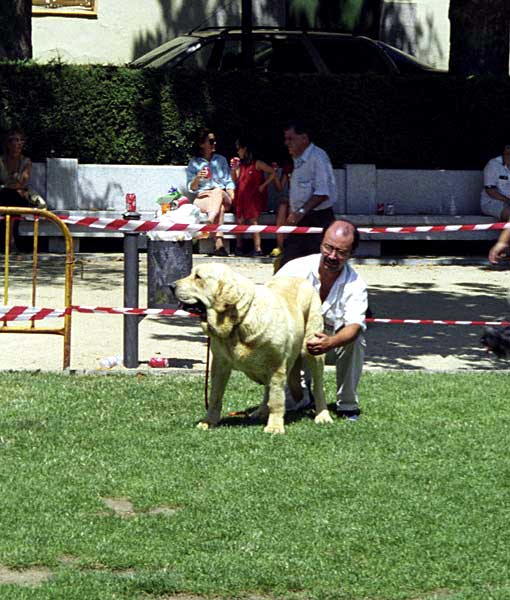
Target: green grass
(410,502)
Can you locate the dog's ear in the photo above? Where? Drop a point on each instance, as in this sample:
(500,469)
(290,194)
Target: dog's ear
(227,295)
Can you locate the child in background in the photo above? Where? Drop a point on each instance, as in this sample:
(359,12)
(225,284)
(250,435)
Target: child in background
(250,197)
(282,209)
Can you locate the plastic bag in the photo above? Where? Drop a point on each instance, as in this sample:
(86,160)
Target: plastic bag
(186,213)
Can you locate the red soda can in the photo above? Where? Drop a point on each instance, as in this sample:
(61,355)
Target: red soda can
(131,202)
(207,168)
(178,202)
(234,162)
(159,362)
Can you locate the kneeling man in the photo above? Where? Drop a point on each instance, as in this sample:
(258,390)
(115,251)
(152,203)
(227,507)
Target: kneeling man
(344,304)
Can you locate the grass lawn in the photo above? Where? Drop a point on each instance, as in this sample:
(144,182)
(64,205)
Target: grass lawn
(108,491)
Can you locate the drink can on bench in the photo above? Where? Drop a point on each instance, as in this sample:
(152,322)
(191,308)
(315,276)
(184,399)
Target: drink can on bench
(131,202)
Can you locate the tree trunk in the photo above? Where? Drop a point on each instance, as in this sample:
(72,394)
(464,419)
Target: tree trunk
(479,37)
(15,29)
(246,34)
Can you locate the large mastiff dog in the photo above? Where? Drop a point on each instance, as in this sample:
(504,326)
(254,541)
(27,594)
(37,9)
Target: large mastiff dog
(259,330)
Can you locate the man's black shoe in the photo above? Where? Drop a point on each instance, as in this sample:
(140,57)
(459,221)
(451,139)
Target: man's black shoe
(350,415)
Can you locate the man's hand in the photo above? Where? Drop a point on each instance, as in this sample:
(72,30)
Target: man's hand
(320,343)
(497,252)
(293,218)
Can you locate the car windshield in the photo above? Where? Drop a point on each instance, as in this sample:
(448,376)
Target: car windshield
(405,62)
(166,52)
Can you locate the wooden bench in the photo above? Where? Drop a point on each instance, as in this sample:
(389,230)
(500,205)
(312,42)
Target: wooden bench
(370,242)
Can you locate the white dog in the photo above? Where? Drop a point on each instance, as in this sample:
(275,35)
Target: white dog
(259,330)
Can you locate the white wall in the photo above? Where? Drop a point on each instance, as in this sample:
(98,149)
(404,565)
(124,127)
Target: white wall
(68,185)
(419,27)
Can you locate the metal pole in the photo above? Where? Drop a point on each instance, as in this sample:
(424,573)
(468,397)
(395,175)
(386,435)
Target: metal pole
(131,284)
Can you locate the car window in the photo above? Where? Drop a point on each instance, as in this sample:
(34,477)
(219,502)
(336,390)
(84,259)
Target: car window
(165,53)
(350,56)
(290,56)
(232,59)
(199,58)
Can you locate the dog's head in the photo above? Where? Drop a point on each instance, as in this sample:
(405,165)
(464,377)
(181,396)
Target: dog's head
(218,294)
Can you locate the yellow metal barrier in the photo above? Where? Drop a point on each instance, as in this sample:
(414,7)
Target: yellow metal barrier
(65,330)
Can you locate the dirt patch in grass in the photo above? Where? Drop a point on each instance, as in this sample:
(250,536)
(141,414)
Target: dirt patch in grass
(123,507)
(28,577)
(439,594)
(245,596)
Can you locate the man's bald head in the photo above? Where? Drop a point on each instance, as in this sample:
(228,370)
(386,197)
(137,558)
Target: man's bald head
(339,242)
(344,231)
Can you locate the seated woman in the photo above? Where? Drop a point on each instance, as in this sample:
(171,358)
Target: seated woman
(208,176)
(15,171)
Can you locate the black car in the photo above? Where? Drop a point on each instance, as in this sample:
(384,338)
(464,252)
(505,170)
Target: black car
(283,51)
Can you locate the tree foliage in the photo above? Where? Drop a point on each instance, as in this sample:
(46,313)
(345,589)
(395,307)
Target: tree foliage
(479,39)
(15,29)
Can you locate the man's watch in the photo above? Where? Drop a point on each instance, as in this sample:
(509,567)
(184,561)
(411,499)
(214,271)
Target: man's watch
(301,211)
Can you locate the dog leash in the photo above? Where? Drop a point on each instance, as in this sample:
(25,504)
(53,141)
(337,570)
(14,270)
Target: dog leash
(206,388)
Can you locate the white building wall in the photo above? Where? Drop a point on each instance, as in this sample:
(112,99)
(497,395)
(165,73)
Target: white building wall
(419,27)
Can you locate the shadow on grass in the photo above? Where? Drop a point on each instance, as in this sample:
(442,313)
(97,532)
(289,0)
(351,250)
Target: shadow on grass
(241,418)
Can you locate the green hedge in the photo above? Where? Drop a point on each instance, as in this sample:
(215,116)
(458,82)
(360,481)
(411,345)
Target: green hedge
(121,115)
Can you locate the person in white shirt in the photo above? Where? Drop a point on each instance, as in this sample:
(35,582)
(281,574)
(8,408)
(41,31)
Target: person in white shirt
(312,192)
(343,294)
(495,197)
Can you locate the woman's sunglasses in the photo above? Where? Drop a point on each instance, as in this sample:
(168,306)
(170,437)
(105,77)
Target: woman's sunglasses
(211,141)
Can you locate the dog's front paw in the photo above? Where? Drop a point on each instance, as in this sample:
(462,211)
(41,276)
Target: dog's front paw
(323,418)
(274,425)
(205,425)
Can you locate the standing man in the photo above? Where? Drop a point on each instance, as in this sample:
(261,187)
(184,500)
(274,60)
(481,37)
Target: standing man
(495,197)
(312,192)
(344,304)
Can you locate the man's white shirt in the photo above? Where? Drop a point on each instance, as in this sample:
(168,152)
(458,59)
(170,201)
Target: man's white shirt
(312,175)
(347,300)
(496,174)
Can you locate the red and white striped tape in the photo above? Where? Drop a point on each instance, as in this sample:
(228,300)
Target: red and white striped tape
(435,322)
(31,313)
(434,228)
(125,225)
(132,226)
(145,226)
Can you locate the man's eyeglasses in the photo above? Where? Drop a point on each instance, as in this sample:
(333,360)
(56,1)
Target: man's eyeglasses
(327,249)
(211,141)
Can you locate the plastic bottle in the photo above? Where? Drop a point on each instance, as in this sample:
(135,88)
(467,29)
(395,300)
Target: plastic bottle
(110,361)
(159,362)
